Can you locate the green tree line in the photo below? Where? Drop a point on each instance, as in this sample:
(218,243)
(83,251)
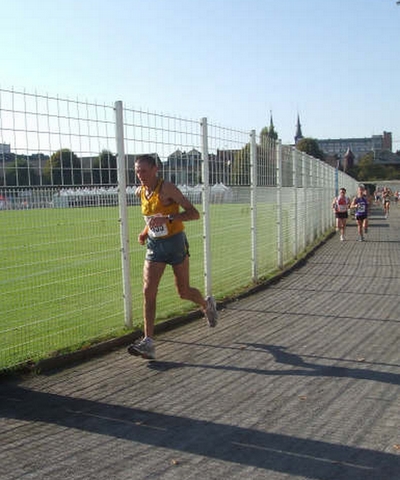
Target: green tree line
(63,168)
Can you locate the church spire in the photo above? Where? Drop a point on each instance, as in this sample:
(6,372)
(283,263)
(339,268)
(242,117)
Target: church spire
(298,135)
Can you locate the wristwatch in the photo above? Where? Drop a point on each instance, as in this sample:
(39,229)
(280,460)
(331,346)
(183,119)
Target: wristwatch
(170,218)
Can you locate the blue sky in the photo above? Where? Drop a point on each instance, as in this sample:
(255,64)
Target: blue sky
(335,62)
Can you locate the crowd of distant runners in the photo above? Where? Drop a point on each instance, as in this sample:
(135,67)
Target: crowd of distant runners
(360,206)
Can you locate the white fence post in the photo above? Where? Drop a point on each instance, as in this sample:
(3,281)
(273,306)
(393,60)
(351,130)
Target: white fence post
(328,197)
(123,214)
(295,156)
(206,208)
(313,197)
(279,203)
(306,179)
(321,196)
(253,203)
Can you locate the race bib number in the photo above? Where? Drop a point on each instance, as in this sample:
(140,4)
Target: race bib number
(342,208)
(361,208)
(156,232)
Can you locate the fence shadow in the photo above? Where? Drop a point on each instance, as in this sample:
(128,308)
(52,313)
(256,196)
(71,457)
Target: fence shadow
(269,451)
(284,357)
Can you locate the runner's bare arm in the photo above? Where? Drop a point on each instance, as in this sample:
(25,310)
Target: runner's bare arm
(171,193)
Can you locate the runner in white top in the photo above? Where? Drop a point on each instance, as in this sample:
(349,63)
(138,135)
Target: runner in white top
(340,206)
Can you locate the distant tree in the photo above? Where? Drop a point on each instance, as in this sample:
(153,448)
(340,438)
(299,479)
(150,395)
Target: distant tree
(63,168)
(310,146)
(368,170)
(268,132)
(105,169)
(367,159)
(353,172)
(392,172)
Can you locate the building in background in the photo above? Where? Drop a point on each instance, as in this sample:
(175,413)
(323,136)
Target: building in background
(5,148)
(299,134)
(358,146)
(348,160)
(381,145)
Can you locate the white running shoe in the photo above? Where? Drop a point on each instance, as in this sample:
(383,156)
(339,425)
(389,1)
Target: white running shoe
(144,349)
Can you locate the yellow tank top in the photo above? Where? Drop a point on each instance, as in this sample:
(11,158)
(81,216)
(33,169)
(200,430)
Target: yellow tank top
(152,206)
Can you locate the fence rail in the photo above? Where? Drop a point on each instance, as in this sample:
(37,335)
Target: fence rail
(70,264)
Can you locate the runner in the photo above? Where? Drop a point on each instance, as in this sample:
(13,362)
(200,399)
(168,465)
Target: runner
(164,208)
(386,201)
(340,206)
(360,203)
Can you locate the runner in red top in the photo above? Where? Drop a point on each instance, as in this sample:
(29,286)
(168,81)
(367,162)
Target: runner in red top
(340,206)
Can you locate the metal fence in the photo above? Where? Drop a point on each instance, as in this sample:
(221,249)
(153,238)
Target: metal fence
(70,264)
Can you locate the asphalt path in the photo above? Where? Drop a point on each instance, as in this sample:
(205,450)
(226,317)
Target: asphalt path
(298,381)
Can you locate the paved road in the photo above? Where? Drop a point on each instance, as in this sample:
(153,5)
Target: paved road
(299,381)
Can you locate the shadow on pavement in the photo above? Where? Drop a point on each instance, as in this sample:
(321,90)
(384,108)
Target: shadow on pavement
(284,357)
(297,456)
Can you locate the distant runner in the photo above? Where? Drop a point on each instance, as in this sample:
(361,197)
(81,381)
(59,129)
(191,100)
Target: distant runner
(360,203)
(340,206)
